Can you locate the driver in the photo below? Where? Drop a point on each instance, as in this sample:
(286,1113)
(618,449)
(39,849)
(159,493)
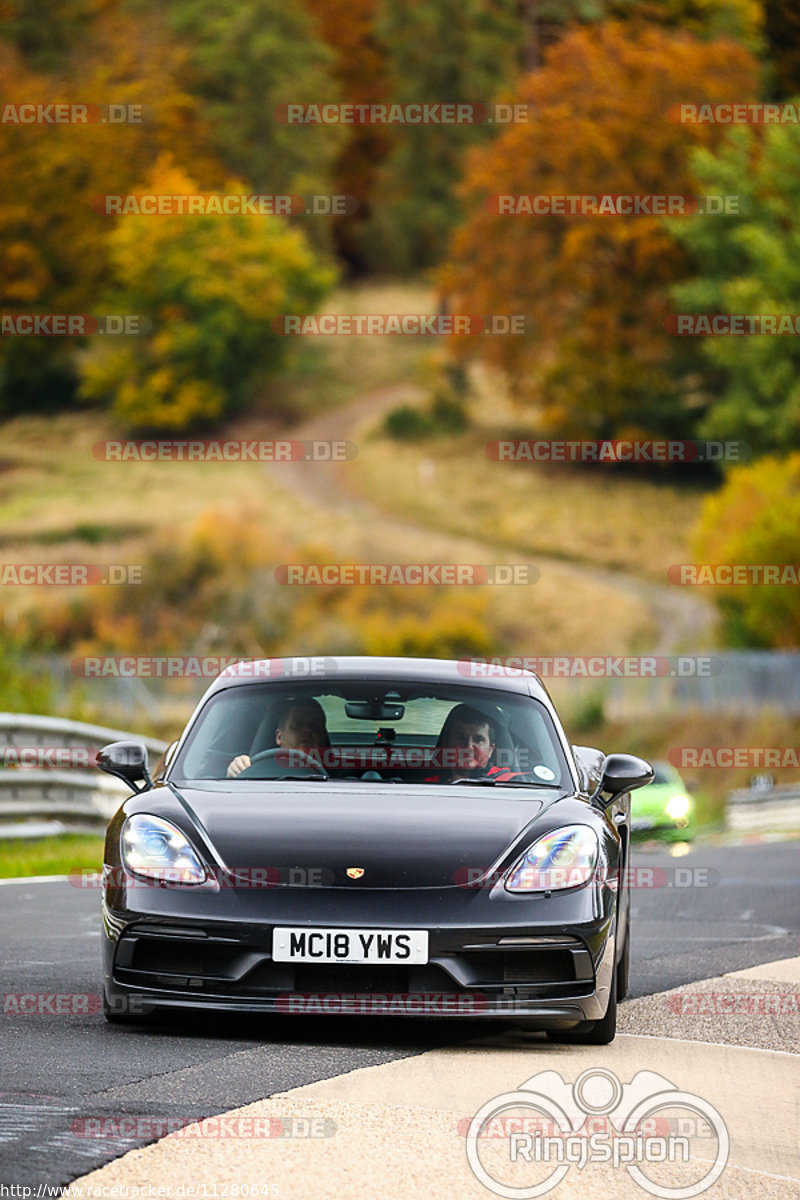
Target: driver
(300,726)
(471,735)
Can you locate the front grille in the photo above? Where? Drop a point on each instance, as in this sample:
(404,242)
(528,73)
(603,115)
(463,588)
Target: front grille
(224,966)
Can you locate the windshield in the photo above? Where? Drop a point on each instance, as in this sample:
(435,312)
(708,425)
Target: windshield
(374,731)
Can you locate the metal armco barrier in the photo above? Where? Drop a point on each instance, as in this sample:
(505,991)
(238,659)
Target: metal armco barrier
(77,797)
(760,810)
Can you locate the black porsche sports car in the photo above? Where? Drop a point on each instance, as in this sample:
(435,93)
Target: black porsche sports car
(390,836)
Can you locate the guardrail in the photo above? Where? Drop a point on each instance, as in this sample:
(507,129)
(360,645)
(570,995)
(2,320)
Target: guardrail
(764,809)
(39,799)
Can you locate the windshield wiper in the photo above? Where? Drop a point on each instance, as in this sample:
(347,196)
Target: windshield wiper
(519,783)
(291,779)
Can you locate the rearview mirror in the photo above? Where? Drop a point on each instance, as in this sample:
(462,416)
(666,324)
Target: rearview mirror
(374,710)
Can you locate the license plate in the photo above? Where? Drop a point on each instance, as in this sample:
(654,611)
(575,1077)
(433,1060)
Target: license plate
(302,944)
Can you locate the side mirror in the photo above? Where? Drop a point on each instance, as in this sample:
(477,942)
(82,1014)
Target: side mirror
(127,761)
(624,772)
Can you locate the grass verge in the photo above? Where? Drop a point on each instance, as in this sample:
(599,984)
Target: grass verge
(59,855)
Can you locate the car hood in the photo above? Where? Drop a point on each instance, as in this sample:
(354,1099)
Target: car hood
(417,836)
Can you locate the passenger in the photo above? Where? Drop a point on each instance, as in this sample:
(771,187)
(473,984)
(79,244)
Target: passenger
(469,736)
(300,726)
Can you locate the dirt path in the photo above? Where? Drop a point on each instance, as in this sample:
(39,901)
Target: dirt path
(685,621)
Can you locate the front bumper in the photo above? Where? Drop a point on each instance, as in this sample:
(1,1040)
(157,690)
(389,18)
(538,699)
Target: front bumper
(171,948)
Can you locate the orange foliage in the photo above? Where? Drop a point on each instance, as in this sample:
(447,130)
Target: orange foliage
(348,27)
(595,286)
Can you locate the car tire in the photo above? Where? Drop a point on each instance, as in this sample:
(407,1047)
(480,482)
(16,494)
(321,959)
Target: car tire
(592,1033)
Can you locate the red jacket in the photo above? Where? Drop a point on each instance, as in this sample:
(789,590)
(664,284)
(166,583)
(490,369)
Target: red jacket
(500,774)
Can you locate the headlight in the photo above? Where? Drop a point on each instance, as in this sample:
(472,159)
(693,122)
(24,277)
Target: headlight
(154,847)
(565,858)
(678,808)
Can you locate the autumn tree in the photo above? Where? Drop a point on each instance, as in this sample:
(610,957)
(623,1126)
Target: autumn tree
(782,31)
(210,285)
(348,27)
(746,265)
(755,519)
(437,51)
(45,32)
(742,20)
(246,60)
(53,256)
(596,359)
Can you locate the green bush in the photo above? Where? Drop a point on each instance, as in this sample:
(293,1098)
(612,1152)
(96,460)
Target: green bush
(445,414)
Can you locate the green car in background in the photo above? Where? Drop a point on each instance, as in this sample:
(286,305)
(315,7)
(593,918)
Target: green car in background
(664,806)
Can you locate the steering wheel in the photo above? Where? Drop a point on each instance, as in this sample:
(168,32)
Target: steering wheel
(306,763)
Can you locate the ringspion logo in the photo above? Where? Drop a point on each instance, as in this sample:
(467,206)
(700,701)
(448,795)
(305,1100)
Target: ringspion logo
(550,1125)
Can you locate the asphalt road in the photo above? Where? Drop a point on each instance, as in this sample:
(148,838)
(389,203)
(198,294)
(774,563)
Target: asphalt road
(713,910)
